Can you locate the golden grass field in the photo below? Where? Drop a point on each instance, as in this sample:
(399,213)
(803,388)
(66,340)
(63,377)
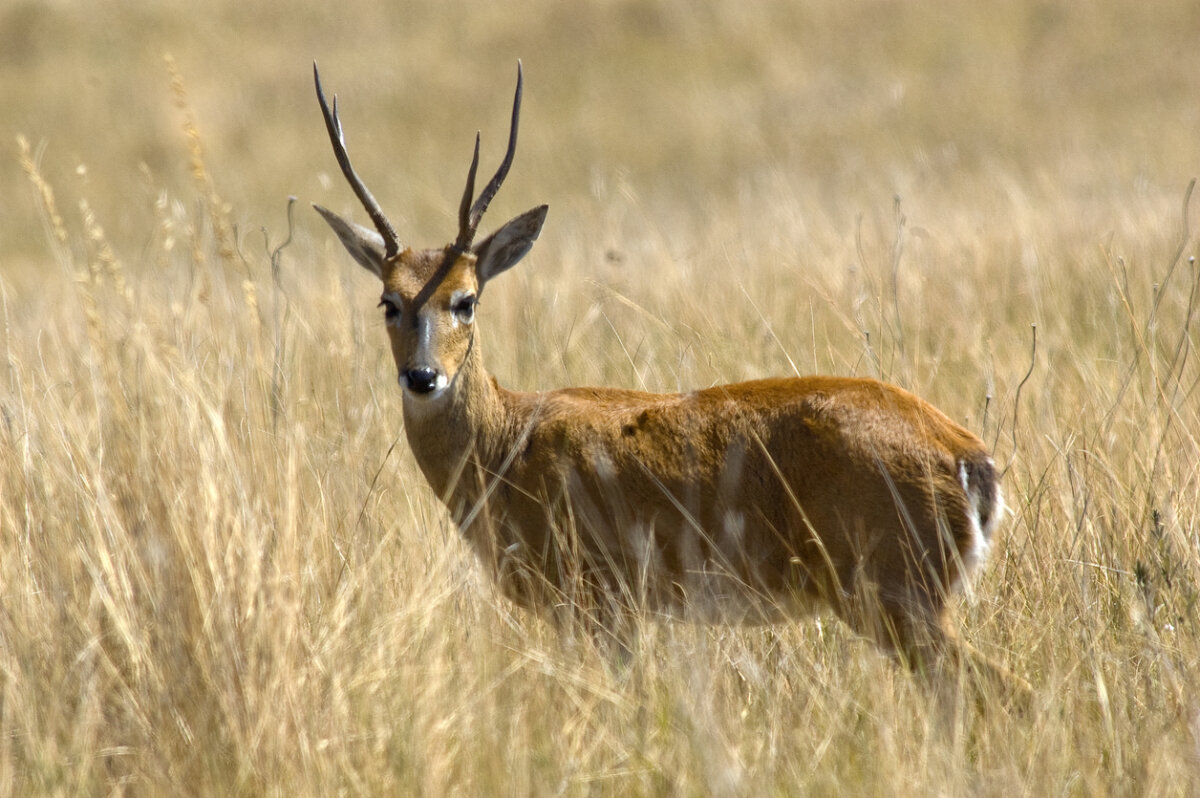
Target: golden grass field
(221,572)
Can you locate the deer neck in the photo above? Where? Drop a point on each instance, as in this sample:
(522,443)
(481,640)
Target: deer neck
(454,437)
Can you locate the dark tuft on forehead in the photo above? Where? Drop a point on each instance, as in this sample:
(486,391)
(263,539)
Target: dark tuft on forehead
(418,275)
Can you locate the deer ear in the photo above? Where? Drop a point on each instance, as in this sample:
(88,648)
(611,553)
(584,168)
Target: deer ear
(363,244)
(503,248)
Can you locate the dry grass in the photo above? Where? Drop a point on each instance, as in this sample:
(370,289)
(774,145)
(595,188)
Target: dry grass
(221,573)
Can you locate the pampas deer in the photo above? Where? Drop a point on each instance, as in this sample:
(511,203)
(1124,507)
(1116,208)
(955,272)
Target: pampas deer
(743,503)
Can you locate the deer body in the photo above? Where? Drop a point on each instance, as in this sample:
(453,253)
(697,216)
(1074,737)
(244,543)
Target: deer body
(745,503)
(749,502)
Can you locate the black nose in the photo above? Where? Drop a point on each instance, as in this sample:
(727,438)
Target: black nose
(421,380)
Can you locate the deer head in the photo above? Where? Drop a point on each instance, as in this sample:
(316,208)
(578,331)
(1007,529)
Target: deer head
(429,295)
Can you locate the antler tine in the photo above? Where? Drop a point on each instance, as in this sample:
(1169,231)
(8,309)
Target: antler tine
(338,139)
(481,204)
(466,230)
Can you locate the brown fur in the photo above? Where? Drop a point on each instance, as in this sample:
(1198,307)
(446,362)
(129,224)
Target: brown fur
(747,502)
(744,503)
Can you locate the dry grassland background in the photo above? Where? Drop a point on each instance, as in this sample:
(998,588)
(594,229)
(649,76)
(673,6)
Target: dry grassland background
(220,571)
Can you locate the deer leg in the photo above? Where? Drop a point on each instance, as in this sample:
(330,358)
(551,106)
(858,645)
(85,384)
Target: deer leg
(914,631)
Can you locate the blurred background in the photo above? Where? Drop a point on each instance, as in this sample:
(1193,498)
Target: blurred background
(683,105)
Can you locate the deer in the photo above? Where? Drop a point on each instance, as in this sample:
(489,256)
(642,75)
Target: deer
(748,503)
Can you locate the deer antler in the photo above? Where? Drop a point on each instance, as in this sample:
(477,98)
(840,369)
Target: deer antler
(338,139)
(466,228)
(468,219)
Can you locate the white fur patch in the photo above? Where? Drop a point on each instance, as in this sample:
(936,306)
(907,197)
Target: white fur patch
(981,535)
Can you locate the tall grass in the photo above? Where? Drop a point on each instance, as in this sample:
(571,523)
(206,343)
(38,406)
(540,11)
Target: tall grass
(221,572)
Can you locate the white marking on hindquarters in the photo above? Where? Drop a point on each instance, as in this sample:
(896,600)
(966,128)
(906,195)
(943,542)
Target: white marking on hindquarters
(981,533)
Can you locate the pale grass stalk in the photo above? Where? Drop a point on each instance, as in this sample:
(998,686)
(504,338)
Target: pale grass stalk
(217,212)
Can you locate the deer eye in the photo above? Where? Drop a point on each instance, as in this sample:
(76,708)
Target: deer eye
(464,309)
(391,311)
